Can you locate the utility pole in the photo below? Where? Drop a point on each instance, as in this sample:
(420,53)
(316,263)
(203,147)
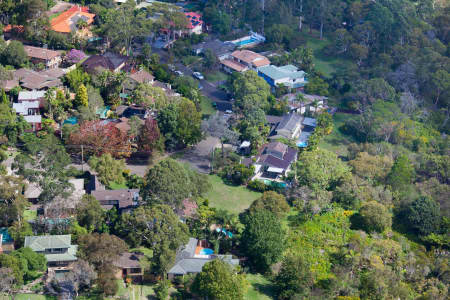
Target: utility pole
(82,161)
(263,4)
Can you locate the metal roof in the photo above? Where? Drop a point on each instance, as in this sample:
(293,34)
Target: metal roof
(40,243)
(276,73)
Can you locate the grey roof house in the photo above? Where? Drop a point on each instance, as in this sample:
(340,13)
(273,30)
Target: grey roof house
(288,75)
(188,262)
(289,127)
(220,49)
(57,249)
(275,160)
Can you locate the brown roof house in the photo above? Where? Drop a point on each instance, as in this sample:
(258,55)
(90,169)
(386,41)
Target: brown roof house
(136,78)
(108,61)
(129,265)
(42,80)
(50,58)
(243,60)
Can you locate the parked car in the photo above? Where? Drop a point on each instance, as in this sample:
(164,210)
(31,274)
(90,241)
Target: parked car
(198,75)
(179,73)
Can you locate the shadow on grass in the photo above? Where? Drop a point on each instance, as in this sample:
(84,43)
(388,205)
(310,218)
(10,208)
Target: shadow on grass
(267,289)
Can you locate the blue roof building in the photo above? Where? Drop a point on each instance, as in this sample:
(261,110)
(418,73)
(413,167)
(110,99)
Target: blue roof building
(288,75)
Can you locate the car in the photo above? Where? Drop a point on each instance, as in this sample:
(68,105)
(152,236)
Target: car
(179,73)
(198,75)
(228,112)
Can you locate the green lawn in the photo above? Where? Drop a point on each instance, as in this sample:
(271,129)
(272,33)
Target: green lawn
(33,297)
(234,199)
(29,214)
(327,64)
(216,76)
(206,107)
(259,288)
(117,186)
(337,141)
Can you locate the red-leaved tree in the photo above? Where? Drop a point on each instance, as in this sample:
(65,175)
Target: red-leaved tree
(150,138)
(99,137)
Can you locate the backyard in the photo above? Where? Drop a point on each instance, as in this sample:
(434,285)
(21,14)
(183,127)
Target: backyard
(234,199)
(337,141)
(259,288)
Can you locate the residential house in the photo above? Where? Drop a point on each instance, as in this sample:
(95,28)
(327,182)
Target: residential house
(108,61)
(12,31)
(221,50)
(289,127)
(190,259)
(32,80)
(274,160)
(188,210)
(195,23)
(288,75)
(57,249)
(311,103)
(65,206)
(243,60)
(166,87)
(50,58)
(29,106)
(136,78)
(125,111)
(128,265)
(67,21)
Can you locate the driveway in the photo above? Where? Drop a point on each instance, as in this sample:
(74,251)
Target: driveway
(199,156)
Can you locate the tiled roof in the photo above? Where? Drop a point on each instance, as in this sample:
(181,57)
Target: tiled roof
(194,19)
(142,76)
(125,197)
(38,80)
(251,57)
(41,53)
(289,122)
(110,61)
(233,65)
(42,242)
(128,260)
(277,146)
(70,255)
(272,161)
(67,21)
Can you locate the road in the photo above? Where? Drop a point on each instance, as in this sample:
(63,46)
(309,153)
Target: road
(209,89)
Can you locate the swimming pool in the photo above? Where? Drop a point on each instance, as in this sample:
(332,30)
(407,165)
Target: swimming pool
(206,251)
(250,40)
(6,238)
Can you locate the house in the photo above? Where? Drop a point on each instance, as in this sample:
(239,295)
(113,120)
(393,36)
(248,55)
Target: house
(29,106)
(274,160)
(65,206)
(243,60)
(221,50)
(289,127)
(125,111)
(123,199)
(195,23)
(311,103)
(128,265)
(32,80)
(136,78)
(191,258)
(166,87)
(57,249)
(50,58)
(108,61)
(67,21)
(10,31)
(188,210)
(288,75)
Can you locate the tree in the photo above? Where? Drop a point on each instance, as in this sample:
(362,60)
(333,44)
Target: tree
(81,98)
(251,91)
(162,289)
(7,280)
(271,201)
(402,173)
(107,282)
(90,214)
(157,228)
(33,264)
(358,52)
(218,280)
(74,56)
(262,239)
(189,121)
(12,263)
(150,137)
(317,86)
(320,169)
(423,215)
(375,217)
(19,230)
(99,138)
(77,77)
(109,170)
(101,250)
(12,201)
(217,126)
(441,82)
(294,278)
(371,167)
(170,183)
(14,54)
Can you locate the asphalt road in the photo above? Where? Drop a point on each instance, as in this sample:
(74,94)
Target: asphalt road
(209,89)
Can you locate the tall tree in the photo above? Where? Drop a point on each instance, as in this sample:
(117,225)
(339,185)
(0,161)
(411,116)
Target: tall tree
(81,98)
(109,170)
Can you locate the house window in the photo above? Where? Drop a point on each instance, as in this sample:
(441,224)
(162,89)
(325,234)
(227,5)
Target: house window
(135,271)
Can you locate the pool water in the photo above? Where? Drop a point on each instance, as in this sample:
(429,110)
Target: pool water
(206,251)
(246,42)
(6,238)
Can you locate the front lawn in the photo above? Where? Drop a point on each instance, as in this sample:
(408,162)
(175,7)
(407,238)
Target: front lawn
(117,186)
(206,107)
(215,76)
(234,199)
(33,297)
(259,288)
(337,141)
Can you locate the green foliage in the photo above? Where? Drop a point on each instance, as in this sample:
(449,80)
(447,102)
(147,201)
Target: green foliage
(402,173)
(317,86)
(33,264)
(81,98)
(76,78)
(263,239)
(109,169)
(375,217)
(19,230)
(162,289)
(423,215)
(237,174)
(90,213)
(164,235)
(170,183)
(218,280)
(294,278)
(271,201)
(14,264)
(320,169)
(14,54)
(251,91)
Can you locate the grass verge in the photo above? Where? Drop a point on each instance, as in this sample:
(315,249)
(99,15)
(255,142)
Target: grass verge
(206,107)
(234,199)
(259,288)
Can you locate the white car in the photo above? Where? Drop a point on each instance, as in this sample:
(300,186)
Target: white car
(198,75)
(179,73)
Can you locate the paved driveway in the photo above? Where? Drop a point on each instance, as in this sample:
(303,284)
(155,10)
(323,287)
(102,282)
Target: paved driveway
(199,156)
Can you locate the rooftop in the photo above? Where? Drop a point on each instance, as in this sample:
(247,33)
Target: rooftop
(289,122)
(42,242)
(31,95)
(67,21)
(234,65)
(276,73)
(251,57)
(128,260)
(109,60)
(194,19)
(142,76)
(41,53)
(39,80)
(125,197)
